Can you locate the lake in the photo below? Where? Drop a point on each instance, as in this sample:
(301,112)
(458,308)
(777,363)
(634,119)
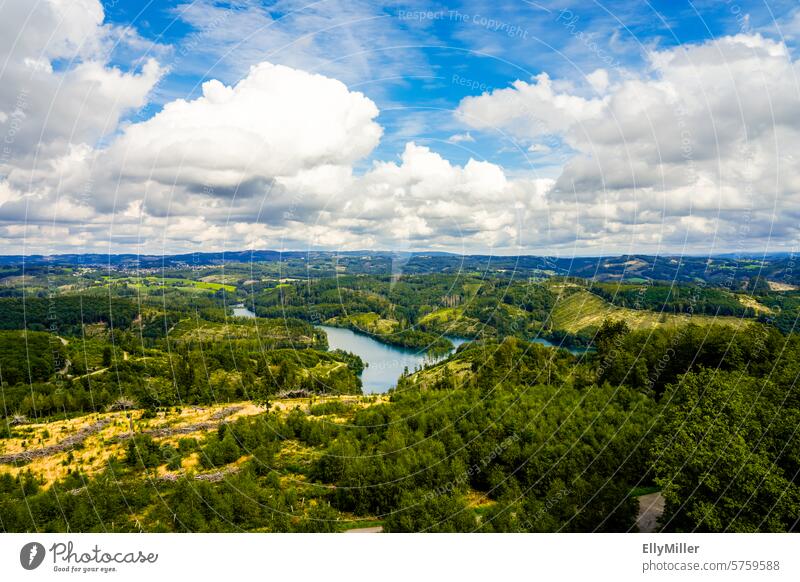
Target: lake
(385,363)
(549,344)
(242,311)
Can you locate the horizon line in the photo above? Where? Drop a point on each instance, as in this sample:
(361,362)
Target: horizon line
(721,254)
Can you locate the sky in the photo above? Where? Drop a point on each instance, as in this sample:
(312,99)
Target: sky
(502,127)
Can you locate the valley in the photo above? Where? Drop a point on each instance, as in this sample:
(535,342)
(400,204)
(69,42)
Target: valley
(232,397)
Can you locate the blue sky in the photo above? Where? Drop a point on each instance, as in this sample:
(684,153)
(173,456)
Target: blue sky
(434,53)
(484,126)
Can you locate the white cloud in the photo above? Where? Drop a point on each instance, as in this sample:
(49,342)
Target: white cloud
(60,97)
(276,122)
(699,145)
(461,138)
(705,136)
(529,109)
(337,39)
(77,104)
(598,80)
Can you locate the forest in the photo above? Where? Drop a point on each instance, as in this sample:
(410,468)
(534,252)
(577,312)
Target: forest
(152,407)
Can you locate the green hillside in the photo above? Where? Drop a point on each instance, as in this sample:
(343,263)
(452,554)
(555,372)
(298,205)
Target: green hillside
(577,309)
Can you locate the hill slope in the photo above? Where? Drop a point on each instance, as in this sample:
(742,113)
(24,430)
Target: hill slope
(577,309)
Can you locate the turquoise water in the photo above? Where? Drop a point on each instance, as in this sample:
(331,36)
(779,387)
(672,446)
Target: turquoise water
(385,363)
(549,344)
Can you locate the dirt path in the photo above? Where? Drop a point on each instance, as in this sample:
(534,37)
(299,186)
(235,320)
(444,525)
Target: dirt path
(100,371)
(66,367)
(651,506)
(377,529)
(213,477)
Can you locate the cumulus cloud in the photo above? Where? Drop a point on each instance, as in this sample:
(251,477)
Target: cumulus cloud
(706,135)
(529,109)
(46,108)
(425,200)
(698,145)
(59,98)
(275,122)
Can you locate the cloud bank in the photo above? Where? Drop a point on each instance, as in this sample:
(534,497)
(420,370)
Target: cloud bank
(695,152)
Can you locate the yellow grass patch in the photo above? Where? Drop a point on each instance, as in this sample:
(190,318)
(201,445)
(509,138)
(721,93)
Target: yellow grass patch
(92,457)
(369,322)
(429,376)
(750,302)
(294,450)
(97,448)
(778,286)
(443,315)
(477,500)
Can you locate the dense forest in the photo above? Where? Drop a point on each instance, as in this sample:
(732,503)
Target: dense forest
(674,298)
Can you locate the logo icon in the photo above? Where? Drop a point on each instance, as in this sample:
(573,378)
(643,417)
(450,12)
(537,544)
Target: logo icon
(31,555)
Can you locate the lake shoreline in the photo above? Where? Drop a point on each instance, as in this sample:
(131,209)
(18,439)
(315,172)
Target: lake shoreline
(384,363)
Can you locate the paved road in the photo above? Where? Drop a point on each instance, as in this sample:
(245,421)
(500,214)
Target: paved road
(651,506)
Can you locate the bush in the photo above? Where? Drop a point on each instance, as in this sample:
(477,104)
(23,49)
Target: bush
(331,407)
(143,452)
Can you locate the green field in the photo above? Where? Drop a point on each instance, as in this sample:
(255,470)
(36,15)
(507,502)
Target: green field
(160,282)
(578,309)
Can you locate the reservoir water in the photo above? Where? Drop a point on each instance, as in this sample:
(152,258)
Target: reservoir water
(385,363)
(549,344)
(242,311)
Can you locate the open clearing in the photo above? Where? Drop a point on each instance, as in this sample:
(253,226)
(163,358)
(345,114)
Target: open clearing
(89,441)
(578,309)
(160,282)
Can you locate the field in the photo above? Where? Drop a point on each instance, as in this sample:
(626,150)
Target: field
(153,282)
(577,309)
(180,417)
(452,321)
(266,330)
(101,436)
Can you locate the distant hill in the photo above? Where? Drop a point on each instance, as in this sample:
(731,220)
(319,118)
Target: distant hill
(735,272)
